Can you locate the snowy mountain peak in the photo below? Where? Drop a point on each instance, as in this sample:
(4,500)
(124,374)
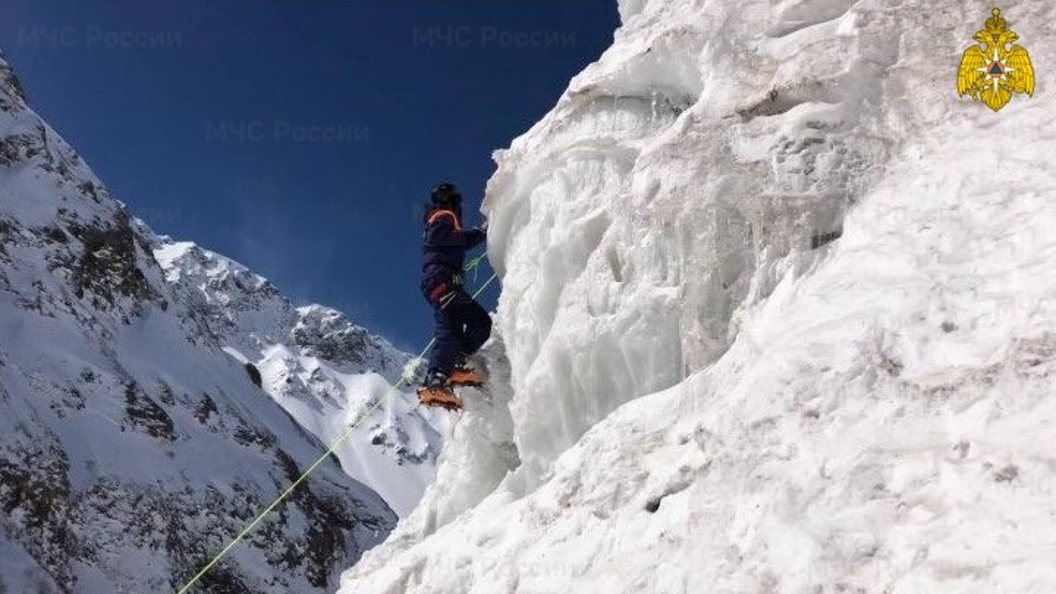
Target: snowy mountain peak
(246,310)
(154,395)
(324,370)
(326,333)
(12,96)
(224,291)
(184,257)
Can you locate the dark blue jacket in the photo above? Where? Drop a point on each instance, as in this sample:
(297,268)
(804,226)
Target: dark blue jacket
(444,247)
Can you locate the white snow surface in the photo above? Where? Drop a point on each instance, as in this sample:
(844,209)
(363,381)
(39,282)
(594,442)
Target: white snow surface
(134,444)
(322,369)
(778,316)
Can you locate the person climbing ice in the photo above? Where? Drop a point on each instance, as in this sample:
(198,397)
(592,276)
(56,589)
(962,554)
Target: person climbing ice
(461,324)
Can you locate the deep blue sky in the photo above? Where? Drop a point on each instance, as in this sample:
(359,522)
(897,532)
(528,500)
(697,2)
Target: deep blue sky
(187,110)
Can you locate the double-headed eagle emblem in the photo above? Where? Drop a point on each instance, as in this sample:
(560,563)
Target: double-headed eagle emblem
(992,71)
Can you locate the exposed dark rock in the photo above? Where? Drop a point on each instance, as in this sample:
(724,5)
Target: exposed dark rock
(205,409)
(7,236)
(108,267)
(254,374)
(167,397)
(326,521)
(13,95)
(249,436)
(398,442)
(89,189)
(35,487)
(147,415)
(329,335)
(174,522)
(72,400)
(15,148)
(56,235)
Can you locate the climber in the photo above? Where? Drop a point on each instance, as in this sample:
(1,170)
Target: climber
(462,325)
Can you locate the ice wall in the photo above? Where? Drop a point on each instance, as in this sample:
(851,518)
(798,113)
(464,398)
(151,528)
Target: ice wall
(776,306)
(667,188)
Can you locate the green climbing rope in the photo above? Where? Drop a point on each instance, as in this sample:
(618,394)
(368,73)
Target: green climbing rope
(409,373)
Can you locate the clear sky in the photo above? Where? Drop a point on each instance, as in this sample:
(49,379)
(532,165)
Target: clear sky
(300,137)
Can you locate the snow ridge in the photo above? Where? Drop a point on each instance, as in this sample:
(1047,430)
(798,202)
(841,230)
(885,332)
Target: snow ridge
(134,442)
(322,369)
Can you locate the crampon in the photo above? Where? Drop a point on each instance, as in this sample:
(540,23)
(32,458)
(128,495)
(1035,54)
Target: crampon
(464,376)
(442,397)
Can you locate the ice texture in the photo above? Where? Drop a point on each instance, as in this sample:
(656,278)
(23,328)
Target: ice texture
(777,316)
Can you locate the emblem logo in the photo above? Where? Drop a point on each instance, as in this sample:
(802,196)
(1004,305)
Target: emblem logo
(993,71)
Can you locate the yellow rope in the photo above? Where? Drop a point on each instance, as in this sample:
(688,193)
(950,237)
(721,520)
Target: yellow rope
(408,374)
(474,265)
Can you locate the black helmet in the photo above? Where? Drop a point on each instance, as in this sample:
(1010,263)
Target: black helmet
(446,194)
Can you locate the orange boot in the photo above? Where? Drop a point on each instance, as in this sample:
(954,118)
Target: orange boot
(441,396)
(464,376)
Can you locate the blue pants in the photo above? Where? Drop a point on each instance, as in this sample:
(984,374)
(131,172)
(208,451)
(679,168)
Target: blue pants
(461,328)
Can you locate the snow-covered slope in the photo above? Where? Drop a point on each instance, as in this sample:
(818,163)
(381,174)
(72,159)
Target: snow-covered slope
(777,316)
(324,370)
(132,446)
